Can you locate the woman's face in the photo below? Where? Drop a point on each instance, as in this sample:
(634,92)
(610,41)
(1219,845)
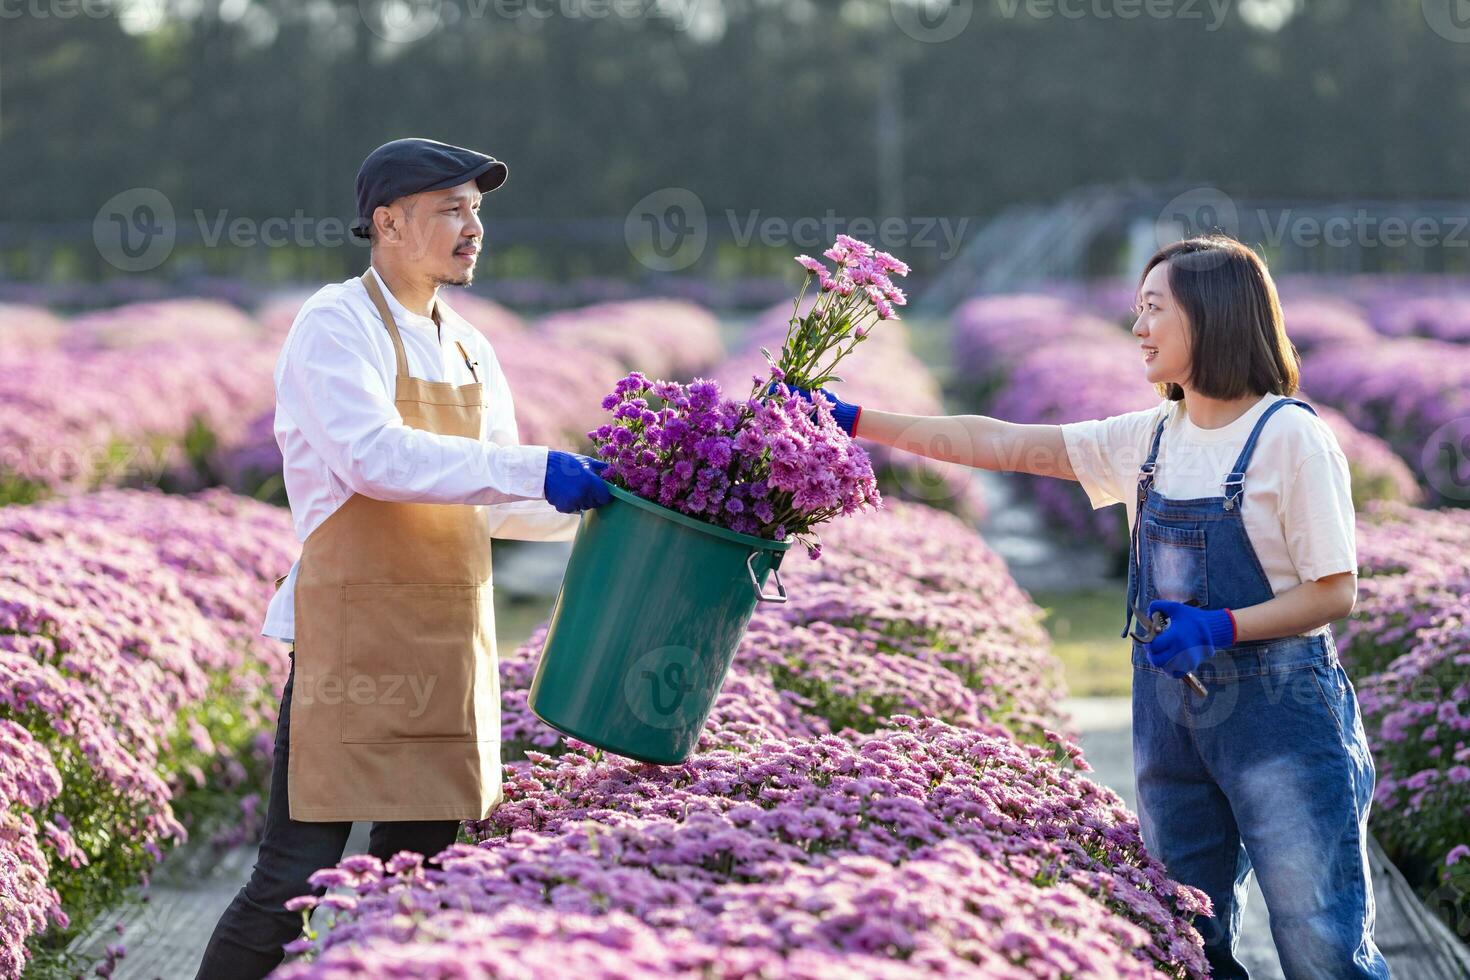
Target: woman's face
(1162,330)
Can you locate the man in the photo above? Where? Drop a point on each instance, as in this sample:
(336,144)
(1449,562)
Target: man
(402,461)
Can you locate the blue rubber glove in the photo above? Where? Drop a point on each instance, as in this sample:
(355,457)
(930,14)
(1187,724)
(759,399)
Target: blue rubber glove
(1191,638)
(846,415)
(573,483)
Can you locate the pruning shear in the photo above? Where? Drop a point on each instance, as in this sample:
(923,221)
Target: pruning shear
(1148,627)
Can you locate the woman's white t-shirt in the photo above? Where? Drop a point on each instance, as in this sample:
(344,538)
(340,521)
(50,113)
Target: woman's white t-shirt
(1298,504)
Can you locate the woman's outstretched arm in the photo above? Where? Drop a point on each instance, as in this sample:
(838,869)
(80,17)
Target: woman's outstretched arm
(973,440)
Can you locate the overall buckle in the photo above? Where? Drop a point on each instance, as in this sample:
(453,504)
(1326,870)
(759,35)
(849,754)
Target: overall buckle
(1233,480)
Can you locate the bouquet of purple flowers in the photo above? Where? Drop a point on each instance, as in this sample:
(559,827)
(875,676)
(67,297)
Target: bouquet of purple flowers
(853,297)
(772,465)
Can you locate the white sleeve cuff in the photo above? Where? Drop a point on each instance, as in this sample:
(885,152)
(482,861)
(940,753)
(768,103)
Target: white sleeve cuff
(1083,455)
(531,520)
(1313,574)
(517,471)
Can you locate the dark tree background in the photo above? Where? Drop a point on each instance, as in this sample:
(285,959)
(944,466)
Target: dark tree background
(266,107)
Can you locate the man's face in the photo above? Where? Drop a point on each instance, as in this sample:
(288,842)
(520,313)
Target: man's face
(440,232)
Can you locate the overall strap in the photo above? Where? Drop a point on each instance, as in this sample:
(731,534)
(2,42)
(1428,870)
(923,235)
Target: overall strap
(1236,479)
(370,281)
(1146,471)
(1145,477)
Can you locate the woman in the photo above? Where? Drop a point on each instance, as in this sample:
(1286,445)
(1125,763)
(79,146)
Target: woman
(1239,501)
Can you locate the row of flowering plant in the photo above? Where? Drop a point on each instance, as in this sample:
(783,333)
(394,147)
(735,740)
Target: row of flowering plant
(1414,393)
(135,697)
(1407,648)
(768,465)
(819,829)
(924,849)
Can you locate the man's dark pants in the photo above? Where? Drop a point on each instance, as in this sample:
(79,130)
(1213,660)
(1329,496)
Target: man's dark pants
(247,941)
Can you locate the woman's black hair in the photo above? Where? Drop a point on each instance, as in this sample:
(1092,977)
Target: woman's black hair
(1237,333)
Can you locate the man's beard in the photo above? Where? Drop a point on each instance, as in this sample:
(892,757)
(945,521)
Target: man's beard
(463,280)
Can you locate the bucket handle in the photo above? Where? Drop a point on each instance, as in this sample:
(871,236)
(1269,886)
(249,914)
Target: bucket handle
(755,584)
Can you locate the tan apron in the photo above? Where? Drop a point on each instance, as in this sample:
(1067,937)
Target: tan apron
(395,710)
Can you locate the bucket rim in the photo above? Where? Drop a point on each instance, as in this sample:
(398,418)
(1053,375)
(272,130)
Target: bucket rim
(694,523)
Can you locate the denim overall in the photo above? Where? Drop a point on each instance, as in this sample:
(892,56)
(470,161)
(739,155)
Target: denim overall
(1270,770)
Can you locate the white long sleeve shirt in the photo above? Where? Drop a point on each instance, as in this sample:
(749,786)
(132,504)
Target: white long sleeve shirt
(340,432)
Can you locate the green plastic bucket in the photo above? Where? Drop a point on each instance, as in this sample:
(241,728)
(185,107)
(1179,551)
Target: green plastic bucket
(651,609)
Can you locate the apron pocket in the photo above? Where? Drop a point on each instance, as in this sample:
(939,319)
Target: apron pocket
(408,661)
(1176,564)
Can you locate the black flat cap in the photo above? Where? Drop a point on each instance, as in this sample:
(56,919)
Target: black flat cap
(409,166)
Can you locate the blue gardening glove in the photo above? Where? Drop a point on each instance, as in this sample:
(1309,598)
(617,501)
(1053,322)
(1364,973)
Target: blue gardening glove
(1191,638)
(845,415)
(573,483)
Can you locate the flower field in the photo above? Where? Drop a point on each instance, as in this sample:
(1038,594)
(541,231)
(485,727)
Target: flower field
(137,698)
(879,789)
(886,786)
(921,850)
(77,420)
(179,394)
(1408,649)
(812,781)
